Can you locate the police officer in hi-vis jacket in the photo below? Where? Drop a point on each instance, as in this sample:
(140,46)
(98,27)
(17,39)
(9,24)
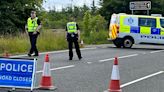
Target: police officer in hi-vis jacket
(73,35)
(33,27)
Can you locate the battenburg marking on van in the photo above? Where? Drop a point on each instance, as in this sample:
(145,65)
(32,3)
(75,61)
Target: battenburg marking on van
(155,31)
(134,29)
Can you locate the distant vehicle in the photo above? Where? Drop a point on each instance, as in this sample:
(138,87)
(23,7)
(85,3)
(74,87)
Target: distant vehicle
(126,30)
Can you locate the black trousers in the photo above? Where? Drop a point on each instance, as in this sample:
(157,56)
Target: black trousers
(33,41)
(74,41)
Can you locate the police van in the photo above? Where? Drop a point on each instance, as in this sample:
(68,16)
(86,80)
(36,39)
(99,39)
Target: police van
(126,30)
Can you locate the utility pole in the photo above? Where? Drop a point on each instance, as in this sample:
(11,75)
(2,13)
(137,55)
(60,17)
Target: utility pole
(72,4)
(84,2)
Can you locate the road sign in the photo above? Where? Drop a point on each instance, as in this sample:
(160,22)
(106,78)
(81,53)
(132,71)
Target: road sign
(140,5)
(17,73)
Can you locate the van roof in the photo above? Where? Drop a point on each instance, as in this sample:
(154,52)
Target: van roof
(146,16)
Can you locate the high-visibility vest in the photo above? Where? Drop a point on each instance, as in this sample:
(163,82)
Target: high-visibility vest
(32,24)
(71,27)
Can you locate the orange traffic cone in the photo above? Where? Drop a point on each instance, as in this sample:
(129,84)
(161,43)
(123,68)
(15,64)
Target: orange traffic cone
(115,78)
(46,81)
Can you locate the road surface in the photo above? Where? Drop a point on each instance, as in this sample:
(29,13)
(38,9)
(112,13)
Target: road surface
(141,69)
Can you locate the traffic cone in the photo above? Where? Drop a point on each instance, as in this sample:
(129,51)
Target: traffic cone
(46,80)
(6,55)
(115,78)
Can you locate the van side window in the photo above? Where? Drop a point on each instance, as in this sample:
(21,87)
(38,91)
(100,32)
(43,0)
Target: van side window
(147,22)
(131,21)
(162,22)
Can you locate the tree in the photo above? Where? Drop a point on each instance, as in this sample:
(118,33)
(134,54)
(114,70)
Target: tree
(86,23)
(14,13)
(122,6)
(97,23)
(93,8)
(157,7)
(114,6)
(84,9)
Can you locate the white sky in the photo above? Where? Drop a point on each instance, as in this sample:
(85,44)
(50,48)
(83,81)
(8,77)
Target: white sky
(58,4)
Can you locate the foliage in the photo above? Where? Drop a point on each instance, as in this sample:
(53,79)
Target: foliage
(122,6)
(97,23)
(58,19)
(94,31)
(96,37)
(14,13)
(86,23)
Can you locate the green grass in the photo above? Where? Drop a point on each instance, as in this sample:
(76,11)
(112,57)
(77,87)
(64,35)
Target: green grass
(17,44)
(96,38)
(47,41)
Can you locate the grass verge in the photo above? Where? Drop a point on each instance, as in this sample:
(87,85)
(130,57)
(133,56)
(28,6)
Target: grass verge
(47,41)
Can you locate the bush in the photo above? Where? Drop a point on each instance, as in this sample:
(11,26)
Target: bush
(96,37)
(93,30)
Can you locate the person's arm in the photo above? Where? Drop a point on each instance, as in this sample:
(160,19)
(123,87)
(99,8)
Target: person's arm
(26,29)
(78,32)
(66,33)
(39,25)
(38,28)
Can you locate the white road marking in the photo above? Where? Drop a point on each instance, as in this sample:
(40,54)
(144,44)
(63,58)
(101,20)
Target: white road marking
(65,51)
(128,56)
(104,60)
(140,79)
(143,78)
(89,62)
(144,53)
(59,68)
(50,52)
(156,51)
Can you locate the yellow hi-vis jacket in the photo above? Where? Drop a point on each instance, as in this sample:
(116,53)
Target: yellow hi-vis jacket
(32,24)
(71,27)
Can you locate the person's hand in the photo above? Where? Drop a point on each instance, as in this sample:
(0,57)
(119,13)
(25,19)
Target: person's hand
(26,33)
(34,32)
(78,39)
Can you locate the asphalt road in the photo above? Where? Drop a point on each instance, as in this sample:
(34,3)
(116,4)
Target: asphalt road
(141,69)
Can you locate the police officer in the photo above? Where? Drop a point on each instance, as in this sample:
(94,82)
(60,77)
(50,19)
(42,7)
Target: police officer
(33,26)
(73,35)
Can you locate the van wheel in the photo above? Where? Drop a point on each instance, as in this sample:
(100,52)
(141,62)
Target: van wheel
(127,43)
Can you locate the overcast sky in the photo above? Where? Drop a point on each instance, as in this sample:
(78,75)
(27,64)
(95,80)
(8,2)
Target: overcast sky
(58,4)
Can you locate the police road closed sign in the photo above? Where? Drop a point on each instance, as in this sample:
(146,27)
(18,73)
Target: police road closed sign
(17,73)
